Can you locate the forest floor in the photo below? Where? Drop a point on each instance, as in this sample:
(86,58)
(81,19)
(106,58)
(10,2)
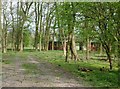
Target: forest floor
(29,71)
(49,69)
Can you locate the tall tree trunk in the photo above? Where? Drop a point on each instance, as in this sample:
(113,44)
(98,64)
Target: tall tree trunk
(17,31)
(59,29)
(64,47)
(109,56)
(46,37)
(101,49)
(21,40)
(0,43)
(4,34)
(74,48)
(23,17)
(37,18)
(48,24)
(87,48)
(13,29)
(43,37)
(118,50)
(21,32)
(53,36)
(104,38)
(40,33)
(0,26)
(74,51)
(40,43)
(71,38)
(67,49)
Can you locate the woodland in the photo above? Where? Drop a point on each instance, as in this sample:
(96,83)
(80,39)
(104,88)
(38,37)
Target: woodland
(81,38)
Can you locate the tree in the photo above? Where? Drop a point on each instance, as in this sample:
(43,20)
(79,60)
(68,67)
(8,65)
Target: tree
(102,15)
(37,18)
(103,18)
(49,18)
(13,27)
(22,16)
(0,24)
(69,17)
(40,32)
(26,38)
(4,30)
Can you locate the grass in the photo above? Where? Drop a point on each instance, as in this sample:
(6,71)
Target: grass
(95,78)
(6,61)
(30,68)
(11,55)
(7,58)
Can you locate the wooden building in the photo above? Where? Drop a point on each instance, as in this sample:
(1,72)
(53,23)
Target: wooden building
(57,45)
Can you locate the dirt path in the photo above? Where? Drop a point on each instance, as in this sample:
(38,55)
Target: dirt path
(47,75)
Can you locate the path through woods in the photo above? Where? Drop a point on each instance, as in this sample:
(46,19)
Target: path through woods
(46,75)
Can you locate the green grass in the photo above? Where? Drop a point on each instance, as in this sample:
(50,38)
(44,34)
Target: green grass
(95,78)
(6,61)
(7,58)
(30,68)
(12,55)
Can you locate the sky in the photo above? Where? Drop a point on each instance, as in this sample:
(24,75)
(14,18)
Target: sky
(14,3)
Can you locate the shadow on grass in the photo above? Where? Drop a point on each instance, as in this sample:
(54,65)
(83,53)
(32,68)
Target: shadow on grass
(29,50)
(25,50)
(96,77)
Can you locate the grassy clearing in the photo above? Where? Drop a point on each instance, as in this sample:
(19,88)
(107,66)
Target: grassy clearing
(95,77)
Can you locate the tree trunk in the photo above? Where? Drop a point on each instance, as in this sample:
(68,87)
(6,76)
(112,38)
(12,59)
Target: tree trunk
(13,29)
(47,31)
(40,43)
(72,37)
(67,53)
(40,33)
(36,39)
(87,48)
(0,26)
(53,41)
(37,18)
(101,49)
(64,47)
(74,48)
(53,37)
(47,43)
(109,57)
(4,34)
(48,26)
(21,40)
(21,35)
(67,49)
(17,30)
(46,37)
